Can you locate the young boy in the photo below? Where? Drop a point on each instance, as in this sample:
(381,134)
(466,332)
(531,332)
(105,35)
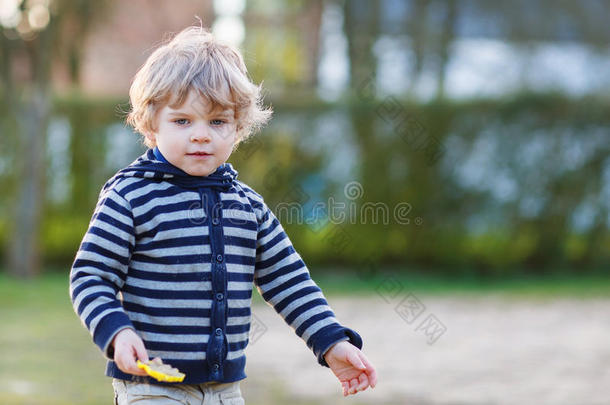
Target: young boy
(167,265)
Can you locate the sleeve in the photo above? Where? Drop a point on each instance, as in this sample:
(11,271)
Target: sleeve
(100,268)
(283,280)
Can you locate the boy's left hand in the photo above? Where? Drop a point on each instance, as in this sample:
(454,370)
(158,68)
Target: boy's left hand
(351,367)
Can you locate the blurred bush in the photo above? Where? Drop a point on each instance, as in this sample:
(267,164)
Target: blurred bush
(490,185)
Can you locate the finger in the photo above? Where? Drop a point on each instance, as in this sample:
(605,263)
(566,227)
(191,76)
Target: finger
(354,359)
(369,370)
(364,382)
(123,362)
(130,365)
(352,386)
(140,350)
(345,386)
(128,360)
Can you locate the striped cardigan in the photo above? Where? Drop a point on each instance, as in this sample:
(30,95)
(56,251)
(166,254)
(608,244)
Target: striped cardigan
(174,256)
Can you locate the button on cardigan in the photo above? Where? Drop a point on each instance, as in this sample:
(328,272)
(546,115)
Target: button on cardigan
(175,257)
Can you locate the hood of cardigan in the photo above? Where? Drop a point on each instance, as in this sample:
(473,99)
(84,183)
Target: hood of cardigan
(155,167)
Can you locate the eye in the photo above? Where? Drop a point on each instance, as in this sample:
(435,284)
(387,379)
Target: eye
(217,122)
(181,121)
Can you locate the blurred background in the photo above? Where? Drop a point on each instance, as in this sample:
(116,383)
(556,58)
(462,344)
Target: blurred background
(442,166)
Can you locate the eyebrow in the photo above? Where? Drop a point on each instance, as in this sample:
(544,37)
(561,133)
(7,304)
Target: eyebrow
(228,113)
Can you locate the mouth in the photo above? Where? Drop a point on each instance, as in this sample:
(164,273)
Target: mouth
(199,154)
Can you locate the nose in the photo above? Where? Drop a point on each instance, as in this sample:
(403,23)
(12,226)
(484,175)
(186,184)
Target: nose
(201,134)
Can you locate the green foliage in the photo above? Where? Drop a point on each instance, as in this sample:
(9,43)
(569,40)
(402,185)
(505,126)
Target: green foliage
(402,153)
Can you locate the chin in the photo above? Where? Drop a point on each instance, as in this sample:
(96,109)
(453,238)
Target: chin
(199,172)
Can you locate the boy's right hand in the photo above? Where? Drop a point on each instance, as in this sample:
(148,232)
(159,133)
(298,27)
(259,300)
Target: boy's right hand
(128,347)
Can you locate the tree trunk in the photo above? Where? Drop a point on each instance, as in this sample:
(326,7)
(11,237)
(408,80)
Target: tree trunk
(361,26)
(418,33)
(32,111)
(446,39)
(24,257)
(312,40)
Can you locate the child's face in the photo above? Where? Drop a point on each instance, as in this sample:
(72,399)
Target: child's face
(185,133)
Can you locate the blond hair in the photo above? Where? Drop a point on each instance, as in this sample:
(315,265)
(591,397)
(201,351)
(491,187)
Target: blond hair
(195,60)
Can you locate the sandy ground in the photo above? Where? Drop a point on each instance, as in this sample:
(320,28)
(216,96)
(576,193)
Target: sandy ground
(446,350)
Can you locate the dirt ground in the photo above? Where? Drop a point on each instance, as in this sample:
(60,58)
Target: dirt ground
(446,350)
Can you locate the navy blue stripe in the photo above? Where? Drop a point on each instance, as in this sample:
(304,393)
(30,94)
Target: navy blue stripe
(310,321)
(299,278)
(289,268)
(170,243)
(80,265)
(186,329)
(177,259)
(182,294)
(135,185)
(118,208)
(102,216)
(172,347)
(183,223)
(187,209)
(239,241)
(279,307)
(277,257)
(110,237)
(163,193)
(305,307)
(99,309)
(92,297)
(170,275)
(95,248)
(167,312)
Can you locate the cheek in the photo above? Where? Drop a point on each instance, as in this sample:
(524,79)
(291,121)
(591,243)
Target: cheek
(227,137)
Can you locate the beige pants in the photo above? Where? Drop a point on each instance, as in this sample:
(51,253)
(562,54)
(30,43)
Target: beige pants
(127,392)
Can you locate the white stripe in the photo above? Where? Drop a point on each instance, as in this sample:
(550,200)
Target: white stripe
(239,232)
(308,314)
(187,196)
(317,326)
(277,281)
(239,250)
(237,337)
(238,320)
(95,289)
(175,233)
(143,190)
(106,244)
(157,303)
(265,239)
(169,320)
(286,292)
(170,268)
(235,355)
(294,305)
(176,355)
(171,285)
(96,257)
(271,251)
(194,249)
(171,217)
(288,260)
(111,229)
(112,213)
(95,321)
(171,338)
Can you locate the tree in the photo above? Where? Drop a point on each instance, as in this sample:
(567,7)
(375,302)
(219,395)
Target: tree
(32,38)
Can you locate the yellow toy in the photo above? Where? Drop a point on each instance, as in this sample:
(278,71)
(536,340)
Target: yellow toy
(161,372)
